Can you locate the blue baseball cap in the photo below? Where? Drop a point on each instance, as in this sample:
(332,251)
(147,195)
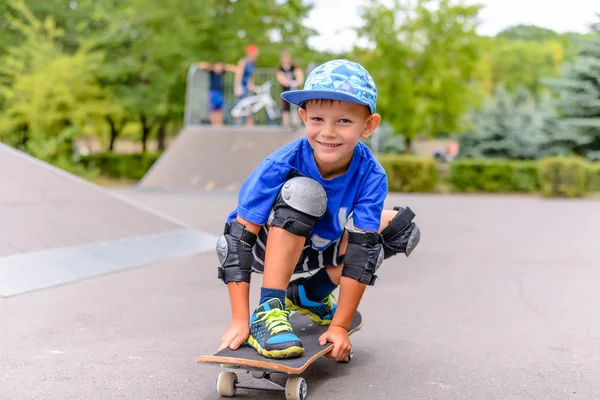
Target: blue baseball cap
(341,80)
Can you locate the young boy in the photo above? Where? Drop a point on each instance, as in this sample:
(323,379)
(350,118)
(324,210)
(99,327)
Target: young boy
(294,213)
(216,93)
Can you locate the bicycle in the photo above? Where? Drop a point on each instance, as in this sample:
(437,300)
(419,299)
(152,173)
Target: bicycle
(252,104)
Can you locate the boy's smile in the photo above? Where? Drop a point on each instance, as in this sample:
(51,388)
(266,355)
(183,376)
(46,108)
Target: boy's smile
(333,129)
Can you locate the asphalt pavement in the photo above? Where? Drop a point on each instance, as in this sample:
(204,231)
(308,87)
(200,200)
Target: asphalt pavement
(499,301)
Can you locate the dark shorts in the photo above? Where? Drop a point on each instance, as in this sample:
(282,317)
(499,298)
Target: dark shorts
(311,258)
(215,100)
(285,106)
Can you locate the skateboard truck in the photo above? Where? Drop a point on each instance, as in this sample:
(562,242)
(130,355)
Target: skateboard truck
(295,387)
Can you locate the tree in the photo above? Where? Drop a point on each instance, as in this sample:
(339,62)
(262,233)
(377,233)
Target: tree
(384,141)
(516,63)
(423,62)
(578,100)
(506,128)
(556,138)
(48,96)
(151,44)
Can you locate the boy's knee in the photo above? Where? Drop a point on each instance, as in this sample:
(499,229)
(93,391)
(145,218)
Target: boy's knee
(299,204)
(399,233)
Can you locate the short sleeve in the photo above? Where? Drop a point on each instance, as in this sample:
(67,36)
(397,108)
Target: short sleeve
(259,191)
(369,205)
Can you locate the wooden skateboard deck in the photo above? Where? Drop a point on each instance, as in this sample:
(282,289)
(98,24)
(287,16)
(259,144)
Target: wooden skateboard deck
(247,358)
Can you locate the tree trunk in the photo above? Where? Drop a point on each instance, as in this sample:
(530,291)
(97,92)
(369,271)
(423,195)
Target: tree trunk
(115,131)
(113,134)
(162,134)
(146,128)
(408,144)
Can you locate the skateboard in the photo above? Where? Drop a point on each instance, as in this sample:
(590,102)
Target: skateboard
(261,368)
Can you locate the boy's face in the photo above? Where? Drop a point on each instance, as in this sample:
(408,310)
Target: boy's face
(333,129)
(218,67)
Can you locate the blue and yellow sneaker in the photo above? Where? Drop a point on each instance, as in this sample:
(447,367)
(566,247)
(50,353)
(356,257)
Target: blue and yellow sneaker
(321,312)
(271,334)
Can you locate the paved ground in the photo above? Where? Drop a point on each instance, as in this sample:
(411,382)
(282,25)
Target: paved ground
(500,301)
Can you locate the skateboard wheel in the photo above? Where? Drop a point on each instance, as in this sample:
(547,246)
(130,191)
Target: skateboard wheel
(349,358)
(296,388)
(226,383)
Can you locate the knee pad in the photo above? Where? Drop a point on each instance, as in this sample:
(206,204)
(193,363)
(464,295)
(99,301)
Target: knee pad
(234,250)
(401,235)
(299,204)
(363,257)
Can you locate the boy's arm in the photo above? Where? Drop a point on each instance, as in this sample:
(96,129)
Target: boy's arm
(282,78)
(299,75)
(351,292)
(363,252)
(239,291)
(231,68)
(239,72)
(204,65)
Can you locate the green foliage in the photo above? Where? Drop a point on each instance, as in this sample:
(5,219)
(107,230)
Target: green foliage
(507,128)
(566,177)
(48,96)
(407,173)
(422,60)
(499,176)
(517,64)
(383,140)
(596,167)
(579,101)
(120,166)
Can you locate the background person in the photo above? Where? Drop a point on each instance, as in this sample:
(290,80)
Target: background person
(216,92)
(244,76)
(291,77)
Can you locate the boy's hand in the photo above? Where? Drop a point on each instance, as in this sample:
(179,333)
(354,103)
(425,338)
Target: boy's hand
(341,342)
(236,334)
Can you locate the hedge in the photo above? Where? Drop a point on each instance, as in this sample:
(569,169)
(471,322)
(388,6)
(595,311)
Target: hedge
(121,166)
(407,173)
(552,177)
(496,176)
(567,177)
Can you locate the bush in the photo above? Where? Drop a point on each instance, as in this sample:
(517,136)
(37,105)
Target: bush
(487,175)
(120,166)
(597,173)
(408,173)
(567,177)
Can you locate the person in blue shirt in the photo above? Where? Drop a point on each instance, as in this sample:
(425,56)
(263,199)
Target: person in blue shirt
(244,76)
(216,91)
(315,204)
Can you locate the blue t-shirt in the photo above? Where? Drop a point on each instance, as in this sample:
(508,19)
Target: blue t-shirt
(359,193)
(217,81)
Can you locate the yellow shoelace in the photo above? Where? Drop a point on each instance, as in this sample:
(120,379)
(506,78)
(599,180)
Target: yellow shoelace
(276,320)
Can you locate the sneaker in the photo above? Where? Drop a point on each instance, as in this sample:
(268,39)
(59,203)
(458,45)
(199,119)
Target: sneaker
(271,334)
(320,312)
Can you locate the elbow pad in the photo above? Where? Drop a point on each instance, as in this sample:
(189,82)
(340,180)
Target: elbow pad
(363,256)
(234,250)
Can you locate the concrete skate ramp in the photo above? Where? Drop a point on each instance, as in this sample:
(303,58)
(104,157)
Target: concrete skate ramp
(210,158)
(57,228)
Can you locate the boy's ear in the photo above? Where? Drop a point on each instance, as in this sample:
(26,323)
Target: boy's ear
(371,124)
(302,112)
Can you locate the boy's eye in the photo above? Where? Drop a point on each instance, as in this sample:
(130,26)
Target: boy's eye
(317,119)
(345,121)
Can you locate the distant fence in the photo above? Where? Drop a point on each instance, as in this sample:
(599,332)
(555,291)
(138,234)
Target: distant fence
(197,88)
